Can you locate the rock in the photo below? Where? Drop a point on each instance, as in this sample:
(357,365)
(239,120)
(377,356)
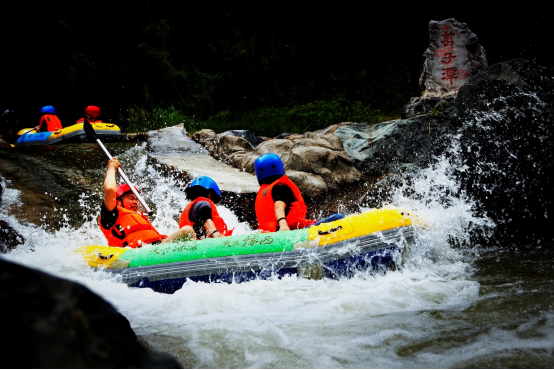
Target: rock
(285,135)
(418,106)
(310,184)
(245,134)
(178,156)
(9,238)
(203,135)
(186,159)
(133,136)
(229,149)
(277,146)
(317,163)
(55,323)
(507,112)
(4,144)
(333,167)
(453,56)
(380,148)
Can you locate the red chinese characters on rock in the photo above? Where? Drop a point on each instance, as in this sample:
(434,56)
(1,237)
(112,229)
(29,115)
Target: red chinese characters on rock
(450,74)
(447,57)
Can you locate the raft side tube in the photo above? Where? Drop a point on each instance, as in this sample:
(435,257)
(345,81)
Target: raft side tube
(71,134)
(342,250)
(215,247)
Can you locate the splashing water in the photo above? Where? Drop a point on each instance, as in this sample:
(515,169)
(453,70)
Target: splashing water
(372,320)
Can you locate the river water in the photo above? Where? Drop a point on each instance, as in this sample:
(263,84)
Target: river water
(448,306)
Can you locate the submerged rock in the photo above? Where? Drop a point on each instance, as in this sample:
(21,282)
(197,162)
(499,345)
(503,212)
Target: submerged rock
(9,238)
(507,112)
(55,323)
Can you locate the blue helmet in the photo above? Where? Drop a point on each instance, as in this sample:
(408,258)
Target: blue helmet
(268,165)
(48,109)
(206,183)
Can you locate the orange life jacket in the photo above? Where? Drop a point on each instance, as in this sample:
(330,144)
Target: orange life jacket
(92,120)
(265,207)
(218,221)
(131,229)
(49,122)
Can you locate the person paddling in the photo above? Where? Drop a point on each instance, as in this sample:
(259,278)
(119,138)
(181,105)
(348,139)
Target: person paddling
(48,121)
(92,113)
(200,216)
(279,203)
(121,221)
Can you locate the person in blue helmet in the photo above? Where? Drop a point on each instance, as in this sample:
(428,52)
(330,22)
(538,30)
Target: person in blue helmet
(201,213)
(279,203)
(48,121)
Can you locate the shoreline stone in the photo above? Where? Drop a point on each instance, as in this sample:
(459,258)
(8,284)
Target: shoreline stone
(57,323)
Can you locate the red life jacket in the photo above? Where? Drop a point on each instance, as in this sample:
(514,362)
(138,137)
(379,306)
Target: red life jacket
(218,221)
(265,207)
(49,122)
(92,120)
(132,229)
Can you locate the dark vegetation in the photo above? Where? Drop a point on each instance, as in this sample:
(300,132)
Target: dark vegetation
(270,69)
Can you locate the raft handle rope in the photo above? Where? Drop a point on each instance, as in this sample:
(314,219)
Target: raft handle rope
(104,257)
(333,230)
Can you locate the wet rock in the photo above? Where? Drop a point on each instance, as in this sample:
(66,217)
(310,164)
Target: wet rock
(171,147)
(55,323)
(245,134)
(133,136)
(203,135)
(9,238)
(453,56)
(507,165)
(380,148)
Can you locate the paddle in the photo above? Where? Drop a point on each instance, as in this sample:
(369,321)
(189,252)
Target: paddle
(89,130)
(25,133)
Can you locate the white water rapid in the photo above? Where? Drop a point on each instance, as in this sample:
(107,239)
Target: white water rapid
(392,320)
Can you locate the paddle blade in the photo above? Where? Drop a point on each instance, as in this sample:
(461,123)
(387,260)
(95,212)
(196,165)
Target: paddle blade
(89,130)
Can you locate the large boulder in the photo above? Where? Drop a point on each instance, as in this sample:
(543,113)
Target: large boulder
(507,164)
(385,147)
(453,56)
(55,323)
(277,146)
(227,147)
(317,164)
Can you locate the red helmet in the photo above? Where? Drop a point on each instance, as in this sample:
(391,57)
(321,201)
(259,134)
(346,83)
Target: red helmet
(93,111)
(122,189)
